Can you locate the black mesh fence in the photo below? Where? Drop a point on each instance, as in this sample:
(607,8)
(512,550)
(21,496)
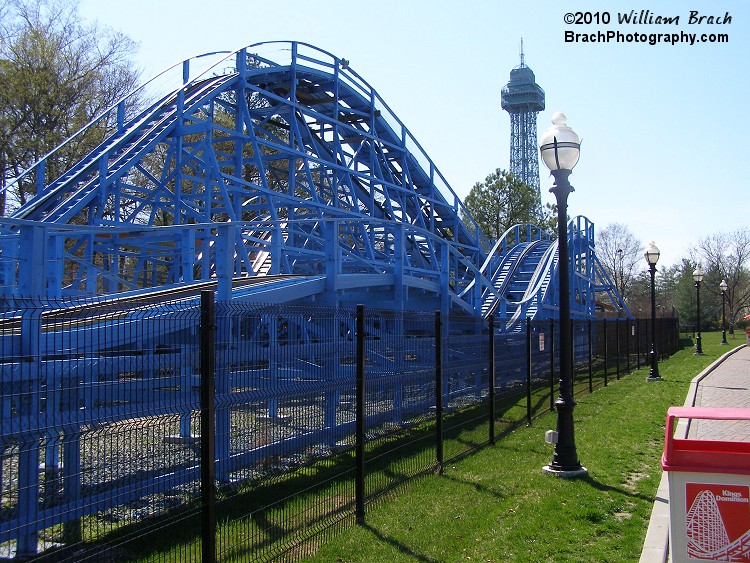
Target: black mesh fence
(97,412)
(196,429)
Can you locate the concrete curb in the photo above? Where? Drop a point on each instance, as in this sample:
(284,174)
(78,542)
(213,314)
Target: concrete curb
(656,545)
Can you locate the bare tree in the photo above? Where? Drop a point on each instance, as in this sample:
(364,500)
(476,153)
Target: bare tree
(726,256)
(621,255)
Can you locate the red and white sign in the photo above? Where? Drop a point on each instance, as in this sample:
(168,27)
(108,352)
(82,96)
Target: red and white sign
(717,522)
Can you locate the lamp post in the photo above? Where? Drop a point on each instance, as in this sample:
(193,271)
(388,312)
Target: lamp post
(723,287)
(560,148)
(621,286)
(698,278)
(652,257)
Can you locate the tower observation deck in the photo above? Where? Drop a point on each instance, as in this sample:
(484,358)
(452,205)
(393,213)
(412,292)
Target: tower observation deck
(523,98)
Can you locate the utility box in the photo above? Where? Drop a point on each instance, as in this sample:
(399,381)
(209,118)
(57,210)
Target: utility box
(709,490)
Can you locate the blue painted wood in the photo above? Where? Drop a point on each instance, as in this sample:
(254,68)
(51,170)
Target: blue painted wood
(372,168)
(298,186)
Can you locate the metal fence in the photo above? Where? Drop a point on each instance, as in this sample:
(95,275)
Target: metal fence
(309,414)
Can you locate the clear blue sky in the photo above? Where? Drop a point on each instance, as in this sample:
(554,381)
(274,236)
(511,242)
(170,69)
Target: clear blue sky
(663,127)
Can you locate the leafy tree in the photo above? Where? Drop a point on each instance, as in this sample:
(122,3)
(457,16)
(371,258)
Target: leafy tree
(502,201)
(668,279)
(548,218)
(675,292)
(683,291)
(639,294)
(621,255)
(56,73)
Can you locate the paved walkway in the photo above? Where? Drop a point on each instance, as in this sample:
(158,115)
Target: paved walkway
(725,383)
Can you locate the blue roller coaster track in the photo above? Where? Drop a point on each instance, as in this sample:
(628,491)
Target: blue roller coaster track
(279,174)
(273,176)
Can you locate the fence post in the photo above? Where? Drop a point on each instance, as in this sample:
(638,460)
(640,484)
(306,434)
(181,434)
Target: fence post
(591,360)
(528,371)
(606,348)
(638,343)
(359,484)
(71,446)
(491,384)
(439,392)
(661,337)
(208,425)
(29,445)
(617,338)
(222,419)
(628,331)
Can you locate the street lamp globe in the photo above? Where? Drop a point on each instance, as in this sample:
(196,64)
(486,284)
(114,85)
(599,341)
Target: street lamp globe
(560,146)
(652,254)
(723,285)
(698,274)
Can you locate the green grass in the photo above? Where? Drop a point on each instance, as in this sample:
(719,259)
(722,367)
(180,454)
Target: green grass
(497,505)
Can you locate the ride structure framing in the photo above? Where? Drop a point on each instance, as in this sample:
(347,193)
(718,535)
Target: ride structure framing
(273,176)
(279,174)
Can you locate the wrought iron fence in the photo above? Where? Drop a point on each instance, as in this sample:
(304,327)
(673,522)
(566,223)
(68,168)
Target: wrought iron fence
(309,415)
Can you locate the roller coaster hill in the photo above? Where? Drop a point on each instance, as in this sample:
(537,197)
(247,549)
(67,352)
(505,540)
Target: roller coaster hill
(275,180)
(276,175)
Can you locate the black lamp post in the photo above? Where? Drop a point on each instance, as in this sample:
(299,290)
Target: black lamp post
(698,278)
(723,286)
(560,148)
(621,286)
(652,257)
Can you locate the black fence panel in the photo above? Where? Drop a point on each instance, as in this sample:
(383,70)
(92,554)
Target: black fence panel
(286,399)
(99,409)
(234,431)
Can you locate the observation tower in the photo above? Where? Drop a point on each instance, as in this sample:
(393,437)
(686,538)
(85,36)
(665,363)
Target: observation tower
(523,98)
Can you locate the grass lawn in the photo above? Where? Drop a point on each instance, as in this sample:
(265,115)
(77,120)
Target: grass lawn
(497,505)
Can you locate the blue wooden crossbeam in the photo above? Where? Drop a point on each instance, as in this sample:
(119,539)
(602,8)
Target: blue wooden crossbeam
(276,176)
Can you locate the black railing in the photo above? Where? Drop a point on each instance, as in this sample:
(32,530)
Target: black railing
(216,431)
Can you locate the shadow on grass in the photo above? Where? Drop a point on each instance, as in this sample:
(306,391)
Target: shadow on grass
(609,488)
(398,545)
(476,486)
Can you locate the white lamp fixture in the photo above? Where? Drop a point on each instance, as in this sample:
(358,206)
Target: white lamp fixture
(652,253)
(560,146)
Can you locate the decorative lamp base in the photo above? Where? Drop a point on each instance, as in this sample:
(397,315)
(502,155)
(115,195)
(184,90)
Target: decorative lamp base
(568,474)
